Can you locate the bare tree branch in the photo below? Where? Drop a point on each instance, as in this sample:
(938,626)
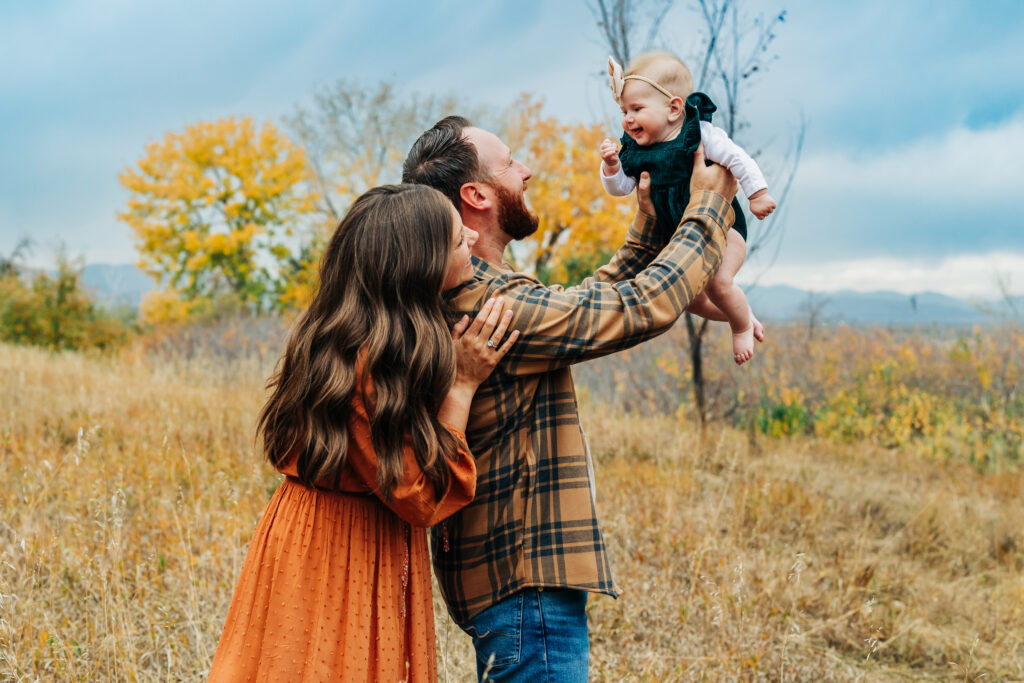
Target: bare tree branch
(773,228)
(9,263)
(620,20)
(355,136)
(737,50)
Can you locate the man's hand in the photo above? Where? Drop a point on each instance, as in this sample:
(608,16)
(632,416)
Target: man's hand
(716,178)
(610,157)
(643,194)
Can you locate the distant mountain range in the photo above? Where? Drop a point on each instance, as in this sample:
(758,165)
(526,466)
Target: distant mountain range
(125,285)
(779,302)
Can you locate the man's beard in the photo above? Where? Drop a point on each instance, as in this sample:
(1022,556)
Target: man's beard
(513,216)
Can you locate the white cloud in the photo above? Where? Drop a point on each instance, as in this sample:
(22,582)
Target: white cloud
(962,165)
(931,198)
(966,276)
(95,80)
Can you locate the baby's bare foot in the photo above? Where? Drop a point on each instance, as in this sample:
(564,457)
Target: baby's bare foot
(758,327)
(743,345)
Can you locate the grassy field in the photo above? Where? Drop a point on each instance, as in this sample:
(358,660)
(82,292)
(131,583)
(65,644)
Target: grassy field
(130,487)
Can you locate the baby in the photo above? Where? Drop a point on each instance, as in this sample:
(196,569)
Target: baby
(664,123)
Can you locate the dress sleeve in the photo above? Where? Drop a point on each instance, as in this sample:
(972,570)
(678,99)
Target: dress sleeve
(413,499)
(618,185)
(719,148)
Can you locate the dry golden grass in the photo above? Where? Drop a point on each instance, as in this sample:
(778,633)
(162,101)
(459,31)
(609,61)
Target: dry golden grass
(130,487)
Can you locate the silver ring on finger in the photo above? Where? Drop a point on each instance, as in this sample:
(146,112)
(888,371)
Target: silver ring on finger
(490,343)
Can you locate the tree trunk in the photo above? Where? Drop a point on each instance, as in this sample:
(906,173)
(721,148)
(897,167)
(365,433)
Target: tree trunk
(695,334)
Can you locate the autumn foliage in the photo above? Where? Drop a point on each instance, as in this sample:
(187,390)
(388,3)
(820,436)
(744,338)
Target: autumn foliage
(215,210)
(580,224)
(944,393)
(130,487)
(56,311)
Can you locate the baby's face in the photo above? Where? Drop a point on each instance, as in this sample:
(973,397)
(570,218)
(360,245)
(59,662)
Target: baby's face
(645,113)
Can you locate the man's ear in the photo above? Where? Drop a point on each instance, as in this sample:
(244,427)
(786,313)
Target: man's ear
(473,196)
(675,109)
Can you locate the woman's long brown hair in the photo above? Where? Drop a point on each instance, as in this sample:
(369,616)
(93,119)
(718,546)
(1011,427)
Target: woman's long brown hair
(379,299)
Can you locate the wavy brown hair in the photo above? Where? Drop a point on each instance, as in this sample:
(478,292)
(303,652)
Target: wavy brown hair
(378,304)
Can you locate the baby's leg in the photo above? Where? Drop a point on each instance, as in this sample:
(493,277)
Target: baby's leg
(702,306)
(758,327)
(724,293)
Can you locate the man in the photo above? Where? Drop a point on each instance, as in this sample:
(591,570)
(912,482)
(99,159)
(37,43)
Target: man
(515,565)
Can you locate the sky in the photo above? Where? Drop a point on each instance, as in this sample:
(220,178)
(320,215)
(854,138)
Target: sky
(909,176)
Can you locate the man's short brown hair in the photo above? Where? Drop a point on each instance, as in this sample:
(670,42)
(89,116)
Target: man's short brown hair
(443,159)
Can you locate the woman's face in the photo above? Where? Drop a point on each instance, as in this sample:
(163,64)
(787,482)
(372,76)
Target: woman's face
(460,267)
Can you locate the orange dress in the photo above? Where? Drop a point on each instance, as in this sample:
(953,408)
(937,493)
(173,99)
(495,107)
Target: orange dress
(336,584)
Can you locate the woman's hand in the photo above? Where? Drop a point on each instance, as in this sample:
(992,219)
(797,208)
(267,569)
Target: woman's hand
(479,346)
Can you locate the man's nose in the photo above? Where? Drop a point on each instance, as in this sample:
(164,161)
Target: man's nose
(524,171)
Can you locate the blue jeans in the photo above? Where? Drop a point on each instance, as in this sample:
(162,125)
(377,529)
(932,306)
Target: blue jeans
(534,635)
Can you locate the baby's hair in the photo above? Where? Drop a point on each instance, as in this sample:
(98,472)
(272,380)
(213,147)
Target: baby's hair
(665,69)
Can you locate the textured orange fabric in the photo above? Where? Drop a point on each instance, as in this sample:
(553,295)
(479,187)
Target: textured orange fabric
(336,584)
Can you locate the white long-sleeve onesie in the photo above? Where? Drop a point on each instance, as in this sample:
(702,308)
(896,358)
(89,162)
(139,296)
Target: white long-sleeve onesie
(719,148)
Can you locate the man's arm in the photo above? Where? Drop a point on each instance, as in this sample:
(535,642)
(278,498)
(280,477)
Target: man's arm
(559,328)
(642,245)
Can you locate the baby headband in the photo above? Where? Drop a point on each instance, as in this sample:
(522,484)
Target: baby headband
(617,82)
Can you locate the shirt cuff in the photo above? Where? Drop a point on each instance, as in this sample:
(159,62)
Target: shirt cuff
(712,205)
(643,227)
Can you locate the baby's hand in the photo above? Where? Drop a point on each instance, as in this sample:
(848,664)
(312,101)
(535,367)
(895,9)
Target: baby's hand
(762,204)
(610,156)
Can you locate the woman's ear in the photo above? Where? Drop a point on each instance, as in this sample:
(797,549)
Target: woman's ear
(675,109)
(473,196)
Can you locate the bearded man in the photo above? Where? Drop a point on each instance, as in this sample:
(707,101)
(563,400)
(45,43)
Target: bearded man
(516,565)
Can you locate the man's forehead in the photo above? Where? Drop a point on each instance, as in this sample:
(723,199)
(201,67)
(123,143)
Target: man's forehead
(489,146)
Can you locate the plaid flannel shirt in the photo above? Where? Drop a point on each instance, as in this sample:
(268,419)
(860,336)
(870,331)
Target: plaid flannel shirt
(533,522)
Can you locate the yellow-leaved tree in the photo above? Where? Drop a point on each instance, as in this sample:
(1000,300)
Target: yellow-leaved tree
(581,225)
(215,210)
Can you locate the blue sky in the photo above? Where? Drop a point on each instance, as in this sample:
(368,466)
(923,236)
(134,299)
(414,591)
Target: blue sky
(912,163)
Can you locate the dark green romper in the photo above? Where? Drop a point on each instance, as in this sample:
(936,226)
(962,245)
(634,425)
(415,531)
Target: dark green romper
(670,164)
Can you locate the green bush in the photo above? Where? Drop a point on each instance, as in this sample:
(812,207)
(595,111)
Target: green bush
(56,312)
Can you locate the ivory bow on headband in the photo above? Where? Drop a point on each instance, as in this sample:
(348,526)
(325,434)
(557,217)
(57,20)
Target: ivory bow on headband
(617,82)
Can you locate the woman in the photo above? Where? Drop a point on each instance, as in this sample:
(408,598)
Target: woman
(365,417)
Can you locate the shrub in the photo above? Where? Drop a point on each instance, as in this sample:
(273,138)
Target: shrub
(56,312)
